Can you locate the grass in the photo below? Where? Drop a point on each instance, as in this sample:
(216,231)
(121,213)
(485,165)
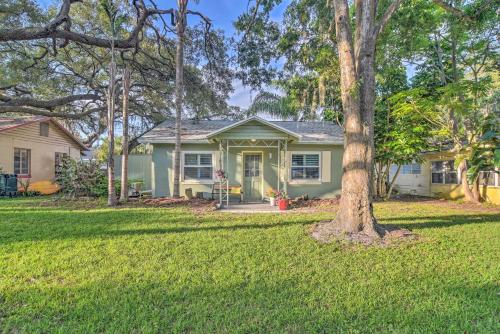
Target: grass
(70,269)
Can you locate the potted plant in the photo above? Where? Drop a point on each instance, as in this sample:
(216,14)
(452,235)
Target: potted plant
(272,194)
(283,201)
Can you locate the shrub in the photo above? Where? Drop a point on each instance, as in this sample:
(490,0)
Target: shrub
(82,179)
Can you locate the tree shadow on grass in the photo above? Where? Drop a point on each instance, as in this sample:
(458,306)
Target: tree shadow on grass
(54,225)
(423,222)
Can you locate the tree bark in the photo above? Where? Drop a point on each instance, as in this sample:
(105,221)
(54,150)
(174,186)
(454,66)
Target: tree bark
(179,90)
(476,194)
(391,185)
(357,93)
(111,134)
(357,82)
(468,195)
(124,172)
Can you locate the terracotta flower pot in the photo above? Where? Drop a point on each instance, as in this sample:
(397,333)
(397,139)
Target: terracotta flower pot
(283,204)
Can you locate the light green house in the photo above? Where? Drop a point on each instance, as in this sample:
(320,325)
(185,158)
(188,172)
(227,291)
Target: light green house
(255,154)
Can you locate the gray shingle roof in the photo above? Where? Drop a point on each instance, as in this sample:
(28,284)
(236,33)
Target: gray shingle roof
(197,131)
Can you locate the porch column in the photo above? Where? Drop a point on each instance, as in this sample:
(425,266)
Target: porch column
(285,184)
(221,159)
(279,164)
(227,170)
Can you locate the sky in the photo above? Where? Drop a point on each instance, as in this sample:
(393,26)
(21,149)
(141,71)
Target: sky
(222,13)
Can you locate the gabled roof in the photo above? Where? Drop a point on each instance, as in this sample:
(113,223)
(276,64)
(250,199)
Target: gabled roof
(12,122)
(308,132)
(257,119)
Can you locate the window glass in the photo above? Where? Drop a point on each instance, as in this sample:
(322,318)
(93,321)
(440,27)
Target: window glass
(437,177)
(22,161)
(305,166)
(44,129)
(198,166)
(444,172)
(437,172)
(405,169)
(415,168)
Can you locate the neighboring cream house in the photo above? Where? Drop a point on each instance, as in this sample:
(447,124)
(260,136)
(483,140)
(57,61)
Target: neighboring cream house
(32,147)
(438,177)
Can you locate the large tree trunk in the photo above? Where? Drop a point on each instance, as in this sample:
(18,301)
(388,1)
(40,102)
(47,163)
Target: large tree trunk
(468,195)
(179,90)
(111,134)
(357,82)
(124,172)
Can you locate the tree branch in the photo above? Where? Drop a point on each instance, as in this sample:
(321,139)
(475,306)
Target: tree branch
(386,17)
(45,104)
(455,11)
(51,31)
(41,112)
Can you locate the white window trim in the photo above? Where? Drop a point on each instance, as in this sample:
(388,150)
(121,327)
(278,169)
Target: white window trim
(305,181)
(205,181)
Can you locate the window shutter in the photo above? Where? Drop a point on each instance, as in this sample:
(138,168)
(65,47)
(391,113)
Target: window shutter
(326,166)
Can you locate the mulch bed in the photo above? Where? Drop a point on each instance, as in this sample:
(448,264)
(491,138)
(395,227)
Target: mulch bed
(196,204)
(315,204)
(328,231)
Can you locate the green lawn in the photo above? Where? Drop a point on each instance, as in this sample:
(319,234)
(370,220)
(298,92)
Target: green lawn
(160,270)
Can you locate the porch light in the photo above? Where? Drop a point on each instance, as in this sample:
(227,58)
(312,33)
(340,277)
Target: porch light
(253,140)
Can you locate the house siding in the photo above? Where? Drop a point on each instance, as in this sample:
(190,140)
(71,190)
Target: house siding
(422,185)
(162,169)
(43,151)
(253,130)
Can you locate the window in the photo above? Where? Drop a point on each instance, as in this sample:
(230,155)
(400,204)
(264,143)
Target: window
(44,129)
(487,178)
(198,166)
(305,166)
(412,168)
(22,161)
(58,162)
(444,172)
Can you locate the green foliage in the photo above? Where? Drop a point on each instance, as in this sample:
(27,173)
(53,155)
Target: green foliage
(484,152)
(80,267)
(83,179)
(403,127)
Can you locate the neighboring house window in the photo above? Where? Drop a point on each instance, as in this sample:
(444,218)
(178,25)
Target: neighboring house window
(44,129)
(198,166)
(58,162)
(22,161)
(444,172)
(408,169)
(305,166)
(487,178)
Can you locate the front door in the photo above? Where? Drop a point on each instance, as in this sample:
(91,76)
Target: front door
(252,176)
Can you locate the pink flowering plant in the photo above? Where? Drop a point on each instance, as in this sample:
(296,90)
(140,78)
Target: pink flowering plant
(220,173)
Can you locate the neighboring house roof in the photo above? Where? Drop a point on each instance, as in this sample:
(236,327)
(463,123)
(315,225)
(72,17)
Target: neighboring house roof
(12,122)
(200,131)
